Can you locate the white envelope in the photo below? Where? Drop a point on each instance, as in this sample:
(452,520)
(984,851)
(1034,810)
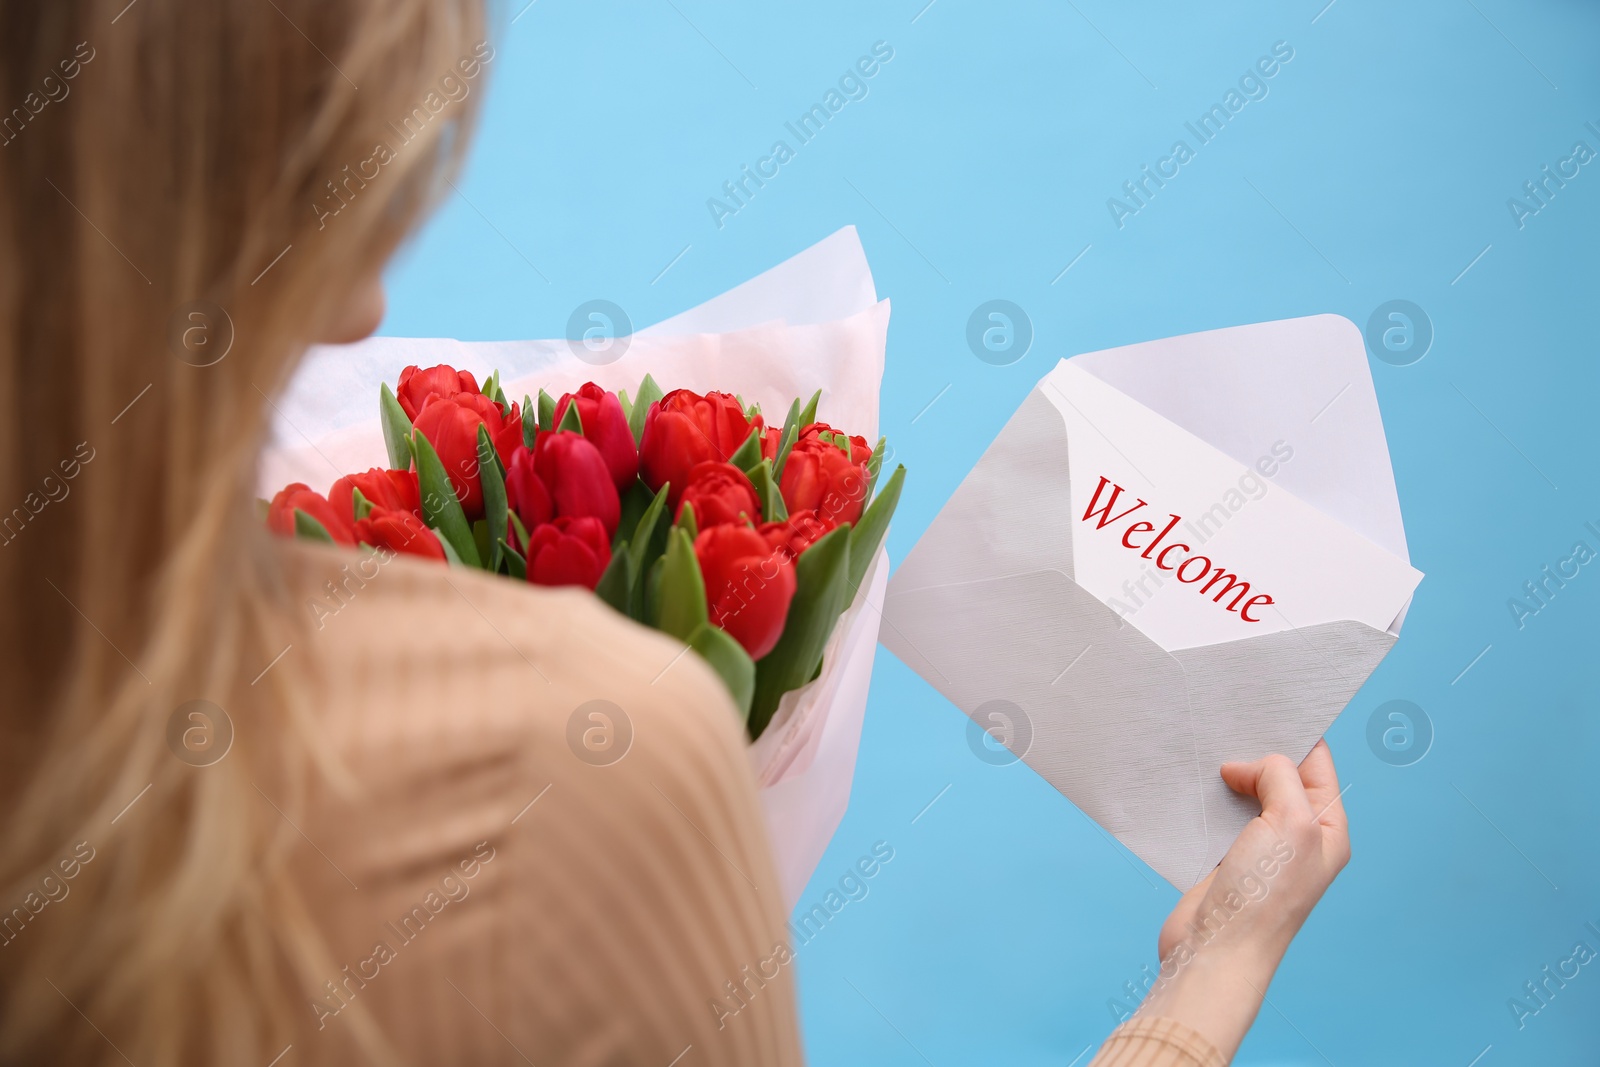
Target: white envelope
(813,321)
(987,609)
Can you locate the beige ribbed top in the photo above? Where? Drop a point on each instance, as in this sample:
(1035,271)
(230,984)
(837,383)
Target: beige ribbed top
(501,888)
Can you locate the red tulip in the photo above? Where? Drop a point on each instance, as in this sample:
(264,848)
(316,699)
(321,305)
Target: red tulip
(605,425)
(301,497)
(720,493)
(749,585)
(860,451)
(797,533)
(399,531)
(819,477)
(685,429)
(417,386)
(771,438)
(382,488)
(526,493)
(568,551)
(575,473)
(450,425)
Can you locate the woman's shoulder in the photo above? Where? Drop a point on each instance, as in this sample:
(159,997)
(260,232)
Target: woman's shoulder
(410,623)
(582,767)
(400,643)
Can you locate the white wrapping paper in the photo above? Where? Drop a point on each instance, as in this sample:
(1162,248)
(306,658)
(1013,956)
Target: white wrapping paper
(813,321)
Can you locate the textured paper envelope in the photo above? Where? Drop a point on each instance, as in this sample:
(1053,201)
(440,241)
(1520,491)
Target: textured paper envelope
(986,608)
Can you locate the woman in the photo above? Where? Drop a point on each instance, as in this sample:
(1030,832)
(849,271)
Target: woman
(393,851)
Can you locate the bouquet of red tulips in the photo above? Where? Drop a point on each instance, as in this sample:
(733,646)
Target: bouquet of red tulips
(685,512)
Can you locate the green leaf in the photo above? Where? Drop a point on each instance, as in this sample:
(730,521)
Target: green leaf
(686,521)
(808,414)
(648,543)
(451,556)
(773,508)
(396,429)
(441,511)
(748,455)
(683,590)
(480,539)
(530,421)
(652,591)
(627,405)
(522,532)
(310,529)
(570,421)
(516,566)
(499,395)
(874,523)
(547,411)
(634,500)
(644,532)
(822,592)
(494,496)
(616,581)
(360,505)
(729,659)
(875,464)
(786,439)
(649,392)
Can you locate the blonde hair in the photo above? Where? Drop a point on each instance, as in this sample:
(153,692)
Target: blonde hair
(163,159)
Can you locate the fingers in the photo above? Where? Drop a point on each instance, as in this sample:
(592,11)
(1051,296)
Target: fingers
(1274,781)
(1322,786)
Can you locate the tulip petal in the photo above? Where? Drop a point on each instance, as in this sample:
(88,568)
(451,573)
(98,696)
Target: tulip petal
(566,562)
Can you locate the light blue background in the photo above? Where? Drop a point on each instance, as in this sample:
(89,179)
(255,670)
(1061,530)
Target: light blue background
(978,167)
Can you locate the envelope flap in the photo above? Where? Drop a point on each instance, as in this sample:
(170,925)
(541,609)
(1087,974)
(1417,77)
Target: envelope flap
(1302,383)
(1091,704)
(1012,514)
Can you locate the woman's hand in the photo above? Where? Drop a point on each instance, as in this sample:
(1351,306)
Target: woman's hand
(1223,942)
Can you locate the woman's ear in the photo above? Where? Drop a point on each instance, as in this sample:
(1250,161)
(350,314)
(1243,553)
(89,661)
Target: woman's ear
(360,315)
